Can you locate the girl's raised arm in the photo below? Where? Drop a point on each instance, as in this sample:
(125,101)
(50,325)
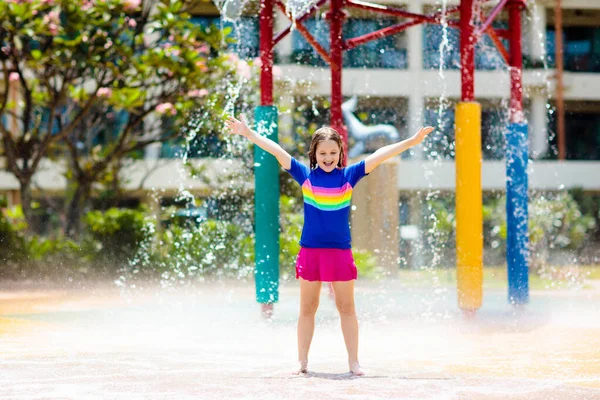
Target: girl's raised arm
(240,127)
(392,150)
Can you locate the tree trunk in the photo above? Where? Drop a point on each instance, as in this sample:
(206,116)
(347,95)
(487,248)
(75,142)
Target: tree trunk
(26,201)
(75,210)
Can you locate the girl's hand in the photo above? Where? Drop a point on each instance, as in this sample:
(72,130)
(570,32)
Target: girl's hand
(422,134)
(238,127)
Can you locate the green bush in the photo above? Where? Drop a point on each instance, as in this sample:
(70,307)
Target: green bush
(555,222)
(214,248)
(117,234)
(366,263)
(60,254)
(13,246)
(290,220)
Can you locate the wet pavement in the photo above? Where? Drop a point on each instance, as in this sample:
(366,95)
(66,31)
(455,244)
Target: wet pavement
(210,342)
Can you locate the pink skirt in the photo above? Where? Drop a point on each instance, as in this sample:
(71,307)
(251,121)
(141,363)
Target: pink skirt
(325,265)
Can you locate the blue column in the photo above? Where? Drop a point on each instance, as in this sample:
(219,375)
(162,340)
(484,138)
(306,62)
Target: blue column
(517,241)
(266,210)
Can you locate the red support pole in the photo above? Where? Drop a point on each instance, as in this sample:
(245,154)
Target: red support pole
(336,18)
(516,61)
(467,50)
(266,52)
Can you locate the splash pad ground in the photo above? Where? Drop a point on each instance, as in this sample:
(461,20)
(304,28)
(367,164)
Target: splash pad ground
(210,342)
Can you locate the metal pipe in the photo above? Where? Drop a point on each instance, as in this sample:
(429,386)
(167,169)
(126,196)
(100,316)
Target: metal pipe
(378,34)
(560,103)
(336,18)
(378,8)
(266,52)
(516,62)
(467,51)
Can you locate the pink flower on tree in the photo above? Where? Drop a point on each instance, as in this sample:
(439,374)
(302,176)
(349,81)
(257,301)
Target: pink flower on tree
(104,92)
(198,93)
(13,77)
(166,108)
(131,5)
(243,69)
(202,66)
(52,21)
(131,22)
(233,58)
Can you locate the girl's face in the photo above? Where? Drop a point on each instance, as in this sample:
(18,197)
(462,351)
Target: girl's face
(328,155)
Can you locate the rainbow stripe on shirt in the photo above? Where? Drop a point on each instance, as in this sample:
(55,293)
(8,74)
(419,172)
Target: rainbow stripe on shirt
(327,199)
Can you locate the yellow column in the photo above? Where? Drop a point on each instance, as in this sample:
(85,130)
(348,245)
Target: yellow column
(469,218)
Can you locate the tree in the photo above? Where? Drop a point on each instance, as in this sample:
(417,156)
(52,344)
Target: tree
(89,75)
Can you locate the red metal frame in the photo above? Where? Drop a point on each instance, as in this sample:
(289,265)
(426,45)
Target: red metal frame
(266,52)
(516,61)
(336,16)
(469,34)
(398,12)
(467,51)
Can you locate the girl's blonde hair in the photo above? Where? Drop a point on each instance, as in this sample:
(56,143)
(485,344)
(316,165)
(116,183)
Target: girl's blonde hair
(322,135)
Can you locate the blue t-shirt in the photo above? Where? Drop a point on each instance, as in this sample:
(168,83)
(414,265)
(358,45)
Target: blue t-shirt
(326,203)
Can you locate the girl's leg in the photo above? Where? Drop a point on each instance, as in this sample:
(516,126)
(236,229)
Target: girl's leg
(309,302)
(344,300)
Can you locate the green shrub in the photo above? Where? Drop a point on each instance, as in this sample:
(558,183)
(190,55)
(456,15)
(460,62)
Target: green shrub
(555,222)
(118,234)
(13,247)
(366,263)
(290,220)
(214,248)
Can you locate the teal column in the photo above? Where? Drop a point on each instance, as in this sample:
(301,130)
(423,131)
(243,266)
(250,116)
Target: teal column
(266,210)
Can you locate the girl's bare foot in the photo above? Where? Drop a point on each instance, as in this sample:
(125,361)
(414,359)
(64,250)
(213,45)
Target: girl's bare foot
(303,369)
(355,368)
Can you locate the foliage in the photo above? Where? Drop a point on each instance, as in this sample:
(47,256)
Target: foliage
(290,221)
(366,263)
(213,248)
(12,241)
(89,73)
(58,255)
(117,234)
(555,222)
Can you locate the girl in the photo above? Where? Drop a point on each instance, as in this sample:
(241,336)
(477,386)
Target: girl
(325,254)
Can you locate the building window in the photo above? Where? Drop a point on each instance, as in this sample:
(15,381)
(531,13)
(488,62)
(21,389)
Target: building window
(487,56)
(441,144)
(387,52)
(303,52)
(581,48)
(582,132)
